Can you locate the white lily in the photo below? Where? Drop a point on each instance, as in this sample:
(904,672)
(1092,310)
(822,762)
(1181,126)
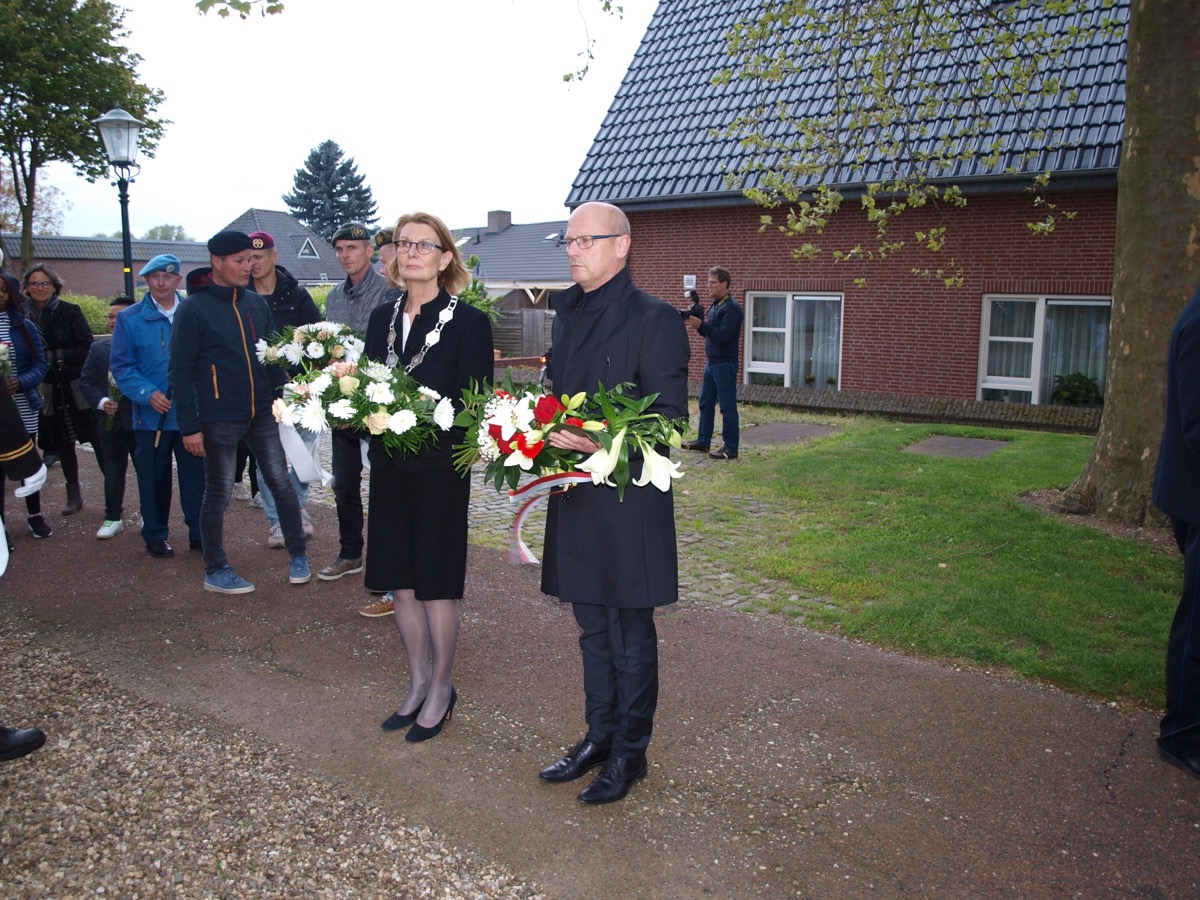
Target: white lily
(600,465)
(656,469)
(354,348)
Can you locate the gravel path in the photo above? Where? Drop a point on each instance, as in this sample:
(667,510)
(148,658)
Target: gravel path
(128,799)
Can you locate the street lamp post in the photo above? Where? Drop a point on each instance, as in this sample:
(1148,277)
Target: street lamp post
(119,131)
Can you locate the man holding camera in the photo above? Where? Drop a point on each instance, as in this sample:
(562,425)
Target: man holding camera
(721,328)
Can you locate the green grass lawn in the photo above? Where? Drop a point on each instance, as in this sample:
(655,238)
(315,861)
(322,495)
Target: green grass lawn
(939,557)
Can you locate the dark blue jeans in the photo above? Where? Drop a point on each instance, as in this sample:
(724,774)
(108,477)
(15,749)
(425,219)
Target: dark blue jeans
(1179,730)
(153,465)
(719,385)
(261,435)
(620,675)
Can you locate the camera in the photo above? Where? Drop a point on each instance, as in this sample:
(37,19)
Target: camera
(695,309)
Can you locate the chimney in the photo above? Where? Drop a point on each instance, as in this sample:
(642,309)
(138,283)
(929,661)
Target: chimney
(498,220)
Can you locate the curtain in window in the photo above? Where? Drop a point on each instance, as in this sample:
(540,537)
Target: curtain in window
(816,342)
(1075,340)
(1010,339)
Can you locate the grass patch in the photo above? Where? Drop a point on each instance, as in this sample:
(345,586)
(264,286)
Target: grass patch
(938,557)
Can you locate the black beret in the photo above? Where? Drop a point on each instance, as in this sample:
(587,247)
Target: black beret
(351,231)
(225,243)
(383,236)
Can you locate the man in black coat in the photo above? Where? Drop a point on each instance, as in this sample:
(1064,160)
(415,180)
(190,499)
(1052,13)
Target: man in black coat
(114,424)
(1177,493)
(613,560)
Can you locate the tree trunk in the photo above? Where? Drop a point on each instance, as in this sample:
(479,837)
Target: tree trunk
(1157,257)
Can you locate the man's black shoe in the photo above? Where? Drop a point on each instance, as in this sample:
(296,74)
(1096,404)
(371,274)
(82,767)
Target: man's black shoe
(696,445)
(195,544)
(160,549)
(723,454)
(583,756)
(615,779)
(1189,764)
(17,742)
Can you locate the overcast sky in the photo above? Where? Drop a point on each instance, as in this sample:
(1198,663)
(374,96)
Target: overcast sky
(477,116)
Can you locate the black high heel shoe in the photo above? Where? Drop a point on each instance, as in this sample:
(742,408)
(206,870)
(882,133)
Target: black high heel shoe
(419,732)
(395,721)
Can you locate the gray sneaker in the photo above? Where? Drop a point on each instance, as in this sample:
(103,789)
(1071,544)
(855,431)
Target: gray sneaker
(340,567)
(275,536)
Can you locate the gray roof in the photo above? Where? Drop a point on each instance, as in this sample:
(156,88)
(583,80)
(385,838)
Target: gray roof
(292,238)
(54,246)
(519,255)
(655,147)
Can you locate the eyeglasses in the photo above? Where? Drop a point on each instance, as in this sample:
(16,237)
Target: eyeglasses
(585,241)
(422,247)
(38,283)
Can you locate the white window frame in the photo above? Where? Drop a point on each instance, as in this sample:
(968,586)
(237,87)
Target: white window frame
(785,368)
(1033,384)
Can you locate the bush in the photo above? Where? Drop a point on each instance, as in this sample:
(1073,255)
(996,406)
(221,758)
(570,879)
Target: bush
(1076,389)
(95,309)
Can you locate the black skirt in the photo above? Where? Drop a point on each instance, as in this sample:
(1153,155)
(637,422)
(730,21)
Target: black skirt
(417,530)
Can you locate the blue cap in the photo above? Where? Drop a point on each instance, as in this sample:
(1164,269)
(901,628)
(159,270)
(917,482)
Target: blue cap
(164,262)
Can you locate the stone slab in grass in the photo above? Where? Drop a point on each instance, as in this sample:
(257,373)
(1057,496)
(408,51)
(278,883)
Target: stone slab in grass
(785,433)
(955,447)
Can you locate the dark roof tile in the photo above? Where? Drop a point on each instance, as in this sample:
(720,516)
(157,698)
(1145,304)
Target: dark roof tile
(654,144)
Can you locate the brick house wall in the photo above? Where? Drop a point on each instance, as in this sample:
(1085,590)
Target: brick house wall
(902,334)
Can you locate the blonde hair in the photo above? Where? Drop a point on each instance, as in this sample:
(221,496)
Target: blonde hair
(455,277)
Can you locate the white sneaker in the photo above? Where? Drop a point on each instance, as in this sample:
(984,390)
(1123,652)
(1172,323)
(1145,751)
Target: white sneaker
(240,492)
(256,501)
(275,536)
(110,528)
(307,522)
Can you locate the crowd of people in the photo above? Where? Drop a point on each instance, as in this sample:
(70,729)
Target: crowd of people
(178,388)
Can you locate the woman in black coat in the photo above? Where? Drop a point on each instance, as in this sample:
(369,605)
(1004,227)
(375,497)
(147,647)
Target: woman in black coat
(68,337)
(417,522)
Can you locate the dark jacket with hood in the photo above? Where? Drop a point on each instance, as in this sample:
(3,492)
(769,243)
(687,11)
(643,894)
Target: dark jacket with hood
(215,374)
(290,303)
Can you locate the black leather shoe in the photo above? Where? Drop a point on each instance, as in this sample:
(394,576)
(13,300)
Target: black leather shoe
(16,742)
(579,759)
(1189,764)
(723,454)
(395,721)
(160,549)
(696,445)
(615,779)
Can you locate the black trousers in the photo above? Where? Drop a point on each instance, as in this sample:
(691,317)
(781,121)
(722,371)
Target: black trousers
(346,459)
(114,449)
(1179,730)
(620,675)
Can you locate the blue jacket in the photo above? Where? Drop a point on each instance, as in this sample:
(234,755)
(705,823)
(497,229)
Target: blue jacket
(28,355)
(141,354)
(722,328)
(215,373)
(1177,481)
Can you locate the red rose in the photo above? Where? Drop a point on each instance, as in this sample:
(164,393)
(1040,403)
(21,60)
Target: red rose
(528,450)
(547,408)
(571,420)
(505,447)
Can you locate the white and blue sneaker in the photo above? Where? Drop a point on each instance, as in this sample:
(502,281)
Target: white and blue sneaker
(227,581)
(299,573)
